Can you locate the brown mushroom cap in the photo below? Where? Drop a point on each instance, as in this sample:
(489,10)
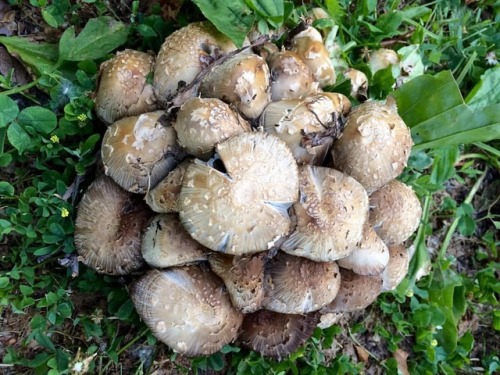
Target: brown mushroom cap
(108,228)
(295,285)
(375,145)
(187,309)
(396,269)
(202,123)
(166,243)
(243,277)
(123,89)
(138,152)
(243,209)
(331,214)
(276,335)
(395,212)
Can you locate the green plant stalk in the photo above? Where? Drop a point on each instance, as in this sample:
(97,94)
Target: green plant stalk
(488,148)
(466,68)
(20,89)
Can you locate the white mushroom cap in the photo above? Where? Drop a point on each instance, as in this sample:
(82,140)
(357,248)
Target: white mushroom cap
(382,59)
(123,88)
(138,152)
(395,212)
(244,208)
(396,269)
(187,309)
(295,285)
(331,215)
(359,83)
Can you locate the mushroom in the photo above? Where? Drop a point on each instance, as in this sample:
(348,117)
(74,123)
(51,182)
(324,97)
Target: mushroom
(395,212)
(382,59)
(108,228)
(295,285)
(330,215)
(241,207)
(184,54)
(375,145)
(396,269)
(276,335)
(187,309)
(138,152)
(359,83)
(202,123)
(166,243)
(123,86)
(329,319)
(243,277)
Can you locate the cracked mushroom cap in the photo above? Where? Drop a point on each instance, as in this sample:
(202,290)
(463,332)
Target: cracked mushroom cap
(243,277)
(202,123)
(276,335)
(138,152)
(331,214)
(187,309)
(123,88)
(243,208)
(295,285)
(395,212)
(375,145)
(184,54)
(396,269)
(108,228)
(166,243)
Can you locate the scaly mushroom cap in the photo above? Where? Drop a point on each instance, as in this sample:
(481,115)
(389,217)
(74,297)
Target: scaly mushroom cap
(369,258)
(295,285)
(184,54)
(375,145)
(123,89)
(276,335)
(244,209)
(187,309)
(243,277)
(166,243)
(396,269)
(164,197)
(138,152)
(108,228)
(330,216)
(242,80)
(202,123)
(356,292)
(395,212)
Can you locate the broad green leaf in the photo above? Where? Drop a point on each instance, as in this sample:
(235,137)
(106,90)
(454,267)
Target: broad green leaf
(389,23)
(486,91)
(271,10)
(232,18)
(40,57)
(99,37)
(434,109)
(41,119)
(4,282)
(8,110)
(6,189)
(18,137)
(334,9)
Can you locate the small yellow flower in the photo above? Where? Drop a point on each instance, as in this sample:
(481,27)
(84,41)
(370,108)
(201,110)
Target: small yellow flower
(409,293)
(64,212)
(54,139)
(82,117)
(434,342)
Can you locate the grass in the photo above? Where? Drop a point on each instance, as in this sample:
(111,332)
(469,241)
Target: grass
(59,317)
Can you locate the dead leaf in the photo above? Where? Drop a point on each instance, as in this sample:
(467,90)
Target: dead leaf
(400,356)
(362,353)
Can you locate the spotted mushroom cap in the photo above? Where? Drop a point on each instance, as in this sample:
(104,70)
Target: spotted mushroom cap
(243,207)
(123,86)
(187,309)
(396,269)
(138,152)
(108,228)
(330,215)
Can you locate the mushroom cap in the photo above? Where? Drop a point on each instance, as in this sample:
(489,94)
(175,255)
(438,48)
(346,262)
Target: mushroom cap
(331,213)
(375,145)
(329,319)
(276,335)
(359,83)
(243,277)
(108,228)
(243,80)
(202,123)
(396,269)
(295,285)
(123,88)
(187,309)
(184,54)
(166,243)
(395,212)
(369,258)
(244,209)
(356,292)
(139,151)
(382,58)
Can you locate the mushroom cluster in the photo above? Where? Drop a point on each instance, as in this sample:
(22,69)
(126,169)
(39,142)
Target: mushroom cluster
(247,204)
